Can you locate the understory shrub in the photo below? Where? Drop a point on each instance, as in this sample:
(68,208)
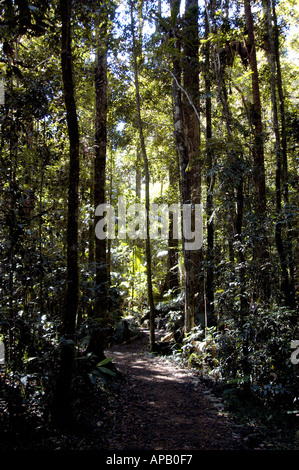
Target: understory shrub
(253,352)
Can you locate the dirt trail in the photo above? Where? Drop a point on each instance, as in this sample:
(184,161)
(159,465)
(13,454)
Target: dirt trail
(164,407)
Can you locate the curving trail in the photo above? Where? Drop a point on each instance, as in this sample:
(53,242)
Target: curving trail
(164,407)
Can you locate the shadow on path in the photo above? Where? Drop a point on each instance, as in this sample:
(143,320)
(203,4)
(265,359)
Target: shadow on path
(164,407)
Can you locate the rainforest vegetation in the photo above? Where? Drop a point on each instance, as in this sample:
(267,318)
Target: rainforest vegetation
(151,103)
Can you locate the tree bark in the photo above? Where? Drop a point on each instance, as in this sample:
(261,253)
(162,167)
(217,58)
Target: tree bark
(210,179)
(101,301)
(278,154)
(147,183)
(173,249)
(71,305)
(183,155)
(192,135)
(258,149)
(290,299)
(260,249)
(235,159)
(172,276)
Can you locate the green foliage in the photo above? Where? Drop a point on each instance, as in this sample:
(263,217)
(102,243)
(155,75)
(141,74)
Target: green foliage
(101,372)
(242,346)
(253,350)
(200,348)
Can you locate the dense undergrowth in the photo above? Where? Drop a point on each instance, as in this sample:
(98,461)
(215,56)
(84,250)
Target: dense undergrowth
(246,361)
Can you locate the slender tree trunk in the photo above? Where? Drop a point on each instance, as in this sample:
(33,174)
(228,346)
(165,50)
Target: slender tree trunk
(238,236)
(173,242)
(209,288)
(70,310)
(281,105)
(147,183)
(192,139)
(91,236)
(138,243)
(278,153)
(258,150)
(172,276)
(260,249)
(290,299)
(235,159)
(101,301)
(183,154)
(109,241)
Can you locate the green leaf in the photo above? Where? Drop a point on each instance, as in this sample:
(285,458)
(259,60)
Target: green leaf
(105,361)
(107,371)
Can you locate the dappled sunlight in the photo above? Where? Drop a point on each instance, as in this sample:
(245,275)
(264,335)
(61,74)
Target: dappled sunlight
(164,402)
(148,215)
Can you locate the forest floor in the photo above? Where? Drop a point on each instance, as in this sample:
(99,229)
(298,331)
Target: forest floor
(163,406)
(156,404)
(166,406)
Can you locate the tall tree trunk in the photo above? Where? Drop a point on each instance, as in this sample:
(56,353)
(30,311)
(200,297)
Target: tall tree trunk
(192,138)
(71,305)
(173,249)
(172,276)
(91,237)
(147,185)
(281,105)
(235,159)
(209,288)
(278,153)
(261,248)
(258,149)
(182,152)
(290,300)
(101,301)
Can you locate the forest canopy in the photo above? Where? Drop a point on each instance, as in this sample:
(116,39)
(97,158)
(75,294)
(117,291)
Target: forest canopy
(157,104)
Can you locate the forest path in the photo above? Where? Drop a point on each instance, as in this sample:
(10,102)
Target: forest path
(162,406)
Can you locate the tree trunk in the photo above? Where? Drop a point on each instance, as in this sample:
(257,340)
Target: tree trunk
(172,276)
(260,249)
(173,248)
(182,152)
(101,301)
(209,288)
(192,138)
(147,183)
(278,153)
(70,310)
(290,299)
(258,149)
(235,159)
